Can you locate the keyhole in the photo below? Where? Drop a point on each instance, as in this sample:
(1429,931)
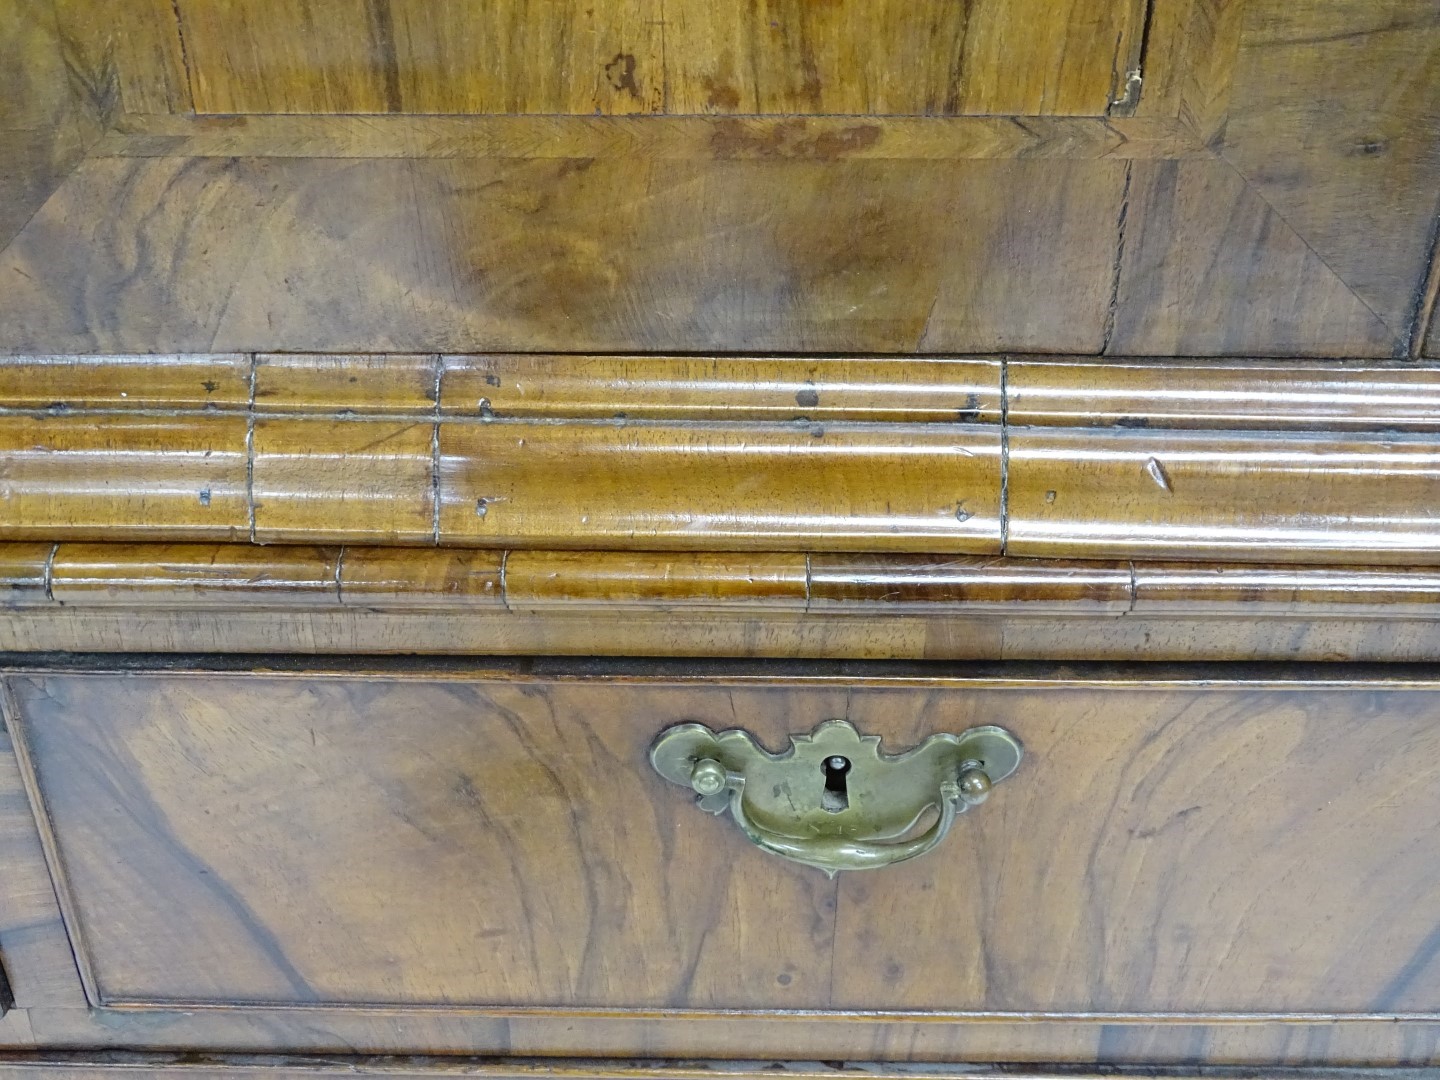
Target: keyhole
(835,797)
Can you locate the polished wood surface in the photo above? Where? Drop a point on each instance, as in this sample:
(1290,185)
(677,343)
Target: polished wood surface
(1254,203)
(152,577)
(1211,269)
(341,56)
(512,804)
(107,480)
(1266,1046)
(1293,709)
(545,328)
(159,1066)
(56,96)
(1316,138)
(721,486)
(780,388)
(649,138)
(39,964)
(475,628)
(1219,495)
(235,598)
(521,254)
(1246,461)
(1242,395)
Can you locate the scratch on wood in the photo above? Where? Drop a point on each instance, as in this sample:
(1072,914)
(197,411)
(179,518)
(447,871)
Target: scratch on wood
(1158,474)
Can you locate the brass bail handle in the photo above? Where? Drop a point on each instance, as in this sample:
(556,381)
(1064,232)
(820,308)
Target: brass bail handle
(833,800)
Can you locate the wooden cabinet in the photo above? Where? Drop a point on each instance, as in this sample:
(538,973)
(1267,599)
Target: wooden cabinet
(409,411)
(315,852)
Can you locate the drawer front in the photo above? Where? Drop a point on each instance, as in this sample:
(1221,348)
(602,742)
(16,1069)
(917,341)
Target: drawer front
(1204,848)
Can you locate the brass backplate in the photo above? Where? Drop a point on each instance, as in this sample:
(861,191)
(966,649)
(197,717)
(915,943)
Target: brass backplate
(796,793)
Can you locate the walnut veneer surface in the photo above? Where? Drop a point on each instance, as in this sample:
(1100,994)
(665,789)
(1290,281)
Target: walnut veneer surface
(344,343)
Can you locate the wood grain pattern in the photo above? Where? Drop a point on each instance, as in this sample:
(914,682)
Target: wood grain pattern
(493,803)
(196,574)
(476,255)
(368,481)
(453,897)
(1168,46)
(1116,492)
(1350,160)
(848,58)
(56,90)
(745,138)
(39,966)
(1040,57)
(1117,794)
(344,56)
(159,1066)
(1058,68)
(150,57)
(541,580)
(970,585)
(333,1031)
(932,588)
(472,626)
(1210,268)
(1060,458)
(722,388)
(1238,395)
(1033,58)
(1205,70)
(1250,591)
(711,486)
(68,475)
(33,71)
(346,384)
(60,384)
(418,580)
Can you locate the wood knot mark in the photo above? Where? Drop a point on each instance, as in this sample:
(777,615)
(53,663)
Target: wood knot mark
(620,73)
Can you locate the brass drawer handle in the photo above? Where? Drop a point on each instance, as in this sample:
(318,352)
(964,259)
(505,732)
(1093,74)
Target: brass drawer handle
(833,800)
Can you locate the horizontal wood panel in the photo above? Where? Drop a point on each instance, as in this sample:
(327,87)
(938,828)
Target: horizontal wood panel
(610,255)
(160,1066)
(343,56)
(1239,395)
(1254,461)
(221,577)
(840,583)
(346,384)
(1305,497)
(125,382)
(343,480)
(710,485)
(71,476)
(679,138)
(451,802)
(477,628)
(224,574)
(537,580)
(416,579)
(456,1032)
(723,388)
